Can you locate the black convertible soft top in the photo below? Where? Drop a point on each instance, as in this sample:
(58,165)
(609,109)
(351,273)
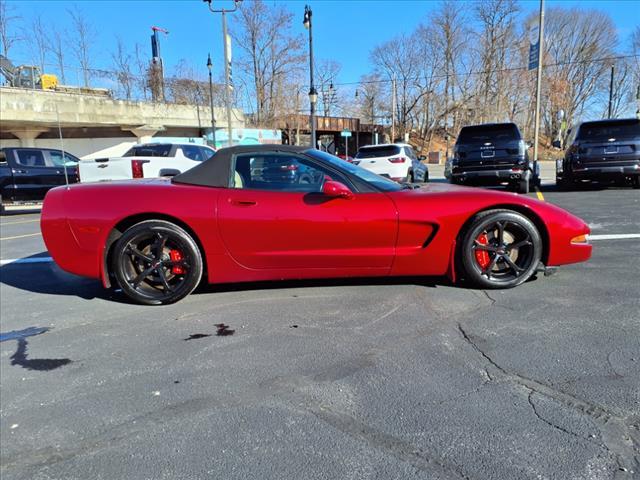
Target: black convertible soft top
(218,170)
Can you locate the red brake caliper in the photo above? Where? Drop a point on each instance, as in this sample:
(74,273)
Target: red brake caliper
(482,256)
(176,256)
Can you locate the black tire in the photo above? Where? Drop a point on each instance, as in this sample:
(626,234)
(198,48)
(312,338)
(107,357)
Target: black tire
(426,177)
(500,249)
(523,186)
(1,206)
(410,178)
(636,182)
(144,268)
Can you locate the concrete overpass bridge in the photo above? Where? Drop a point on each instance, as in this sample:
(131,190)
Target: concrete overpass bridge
(94,125)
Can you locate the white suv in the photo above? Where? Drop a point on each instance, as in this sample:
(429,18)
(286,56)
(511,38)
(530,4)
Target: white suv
(397,161)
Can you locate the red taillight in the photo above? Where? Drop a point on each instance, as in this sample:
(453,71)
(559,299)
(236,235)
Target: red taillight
(397,160)
(136,168)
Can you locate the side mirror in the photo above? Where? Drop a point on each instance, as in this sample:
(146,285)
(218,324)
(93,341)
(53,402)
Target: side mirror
(556,144)
(336,190)
(169,172)
(422,158)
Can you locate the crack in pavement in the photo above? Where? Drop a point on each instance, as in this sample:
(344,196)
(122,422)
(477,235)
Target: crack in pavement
(615,432)
(398,448)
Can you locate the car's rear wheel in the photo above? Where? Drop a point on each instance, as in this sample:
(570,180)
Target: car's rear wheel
(156,263)
(636,182)
(426,177)
(500,249)
(410,177)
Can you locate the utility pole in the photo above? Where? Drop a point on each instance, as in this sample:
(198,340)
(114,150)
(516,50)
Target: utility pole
(213,118)
(226,42)
(393,108)
(313,94)
(536,130)
(611,92)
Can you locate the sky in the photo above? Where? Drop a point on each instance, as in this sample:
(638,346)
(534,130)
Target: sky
(344,30)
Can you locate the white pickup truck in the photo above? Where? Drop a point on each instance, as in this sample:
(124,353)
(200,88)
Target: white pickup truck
(144,161)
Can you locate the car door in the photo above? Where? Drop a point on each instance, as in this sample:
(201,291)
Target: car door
(69,163)
(32,176)
(285,222)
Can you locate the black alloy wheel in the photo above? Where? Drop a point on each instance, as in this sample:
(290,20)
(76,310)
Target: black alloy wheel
(156,263)
(500,249)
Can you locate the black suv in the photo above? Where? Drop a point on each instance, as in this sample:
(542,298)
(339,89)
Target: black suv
(493,154)
(604,150)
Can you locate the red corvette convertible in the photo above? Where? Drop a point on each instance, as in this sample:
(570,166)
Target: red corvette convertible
(274,212)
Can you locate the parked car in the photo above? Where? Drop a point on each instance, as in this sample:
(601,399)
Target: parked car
(603,150)
(493,154)
(275,169)
(145,160)
(156,239)
(26,174)
(396,161)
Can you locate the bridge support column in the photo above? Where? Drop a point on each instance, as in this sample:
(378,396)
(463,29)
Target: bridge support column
(27,136)
(144,133)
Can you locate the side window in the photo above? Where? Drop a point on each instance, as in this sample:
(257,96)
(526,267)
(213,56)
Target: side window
(3,158)
(192,152)
(286,173)
(55,158)
(410,153)
(31,158)
(206,153)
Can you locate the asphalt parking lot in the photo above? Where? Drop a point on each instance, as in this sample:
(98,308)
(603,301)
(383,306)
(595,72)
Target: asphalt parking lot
(328,380)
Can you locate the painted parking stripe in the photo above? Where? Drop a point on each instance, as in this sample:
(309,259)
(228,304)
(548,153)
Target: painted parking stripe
(16,223)
(21,236)
(539,194)
(617,236)
(16,261)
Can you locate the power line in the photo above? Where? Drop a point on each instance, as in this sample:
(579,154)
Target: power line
(484,72)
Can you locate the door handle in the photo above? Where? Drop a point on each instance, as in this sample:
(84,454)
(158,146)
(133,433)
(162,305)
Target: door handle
(243,203)
(16,170)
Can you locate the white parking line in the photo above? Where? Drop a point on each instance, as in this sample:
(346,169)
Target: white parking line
(25,260)
(617,236)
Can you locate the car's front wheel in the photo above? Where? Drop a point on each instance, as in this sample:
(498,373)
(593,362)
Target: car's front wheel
(500,249)
(156,262)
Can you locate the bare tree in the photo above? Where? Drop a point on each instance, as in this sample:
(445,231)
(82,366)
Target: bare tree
(57,48)
(369,93)
(577,41)
(326,72)
(123,63)
(38,41)
(497,19)
(8,32)
(449,21)
(141,72)
(270,55)
(82,41)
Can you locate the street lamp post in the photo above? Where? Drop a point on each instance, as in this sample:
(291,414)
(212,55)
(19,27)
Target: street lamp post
(213,118)
(226,42)
(313,94)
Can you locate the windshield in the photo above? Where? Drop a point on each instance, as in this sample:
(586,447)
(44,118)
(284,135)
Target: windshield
(381,183)
(488,133)
(609,129)
(382,151)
